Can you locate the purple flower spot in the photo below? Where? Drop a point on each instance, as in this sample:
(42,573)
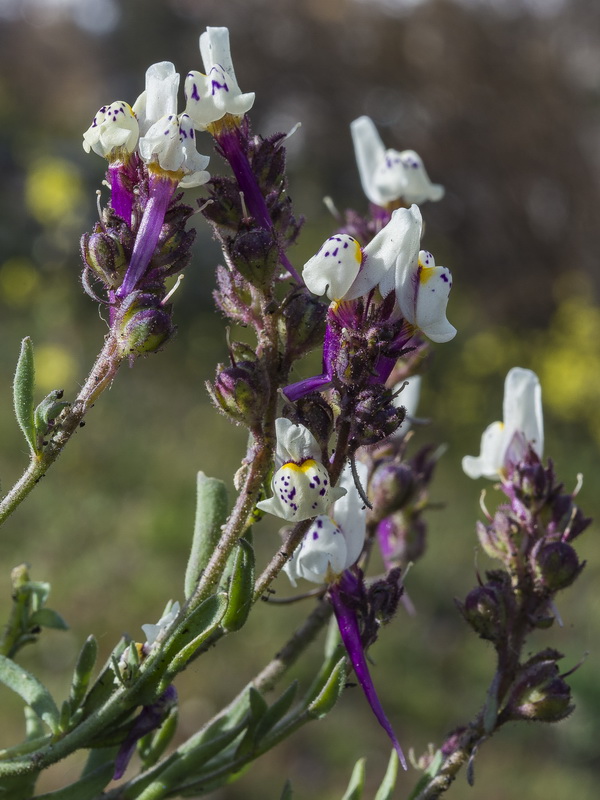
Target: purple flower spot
(345,244)
(444,277)
(315,535)
(323,492)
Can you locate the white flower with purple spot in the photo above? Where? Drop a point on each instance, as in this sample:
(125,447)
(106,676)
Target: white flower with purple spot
(167,140)
(388,175)
(504,444)
(333,542)
(301,485)
(333,269)
(113,133)
(212,95)
(393,262)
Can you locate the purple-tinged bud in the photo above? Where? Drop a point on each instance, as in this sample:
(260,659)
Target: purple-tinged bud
(234,297)
(402,537)
(375,416)
(255,255)
(503,539)
(540,692)
(303,324)
(239,392)
(556,566)
(390,487)
(143,325)
(104,255)
(484,610)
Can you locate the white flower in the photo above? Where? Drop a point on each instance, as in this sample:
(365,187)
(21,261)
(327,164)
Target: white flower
(333,543)
(168,139)
(334,268)
(153,631)
(301,485)
(409,398)
(209,97)
(503,444)
(392,261)
(387,175)
(114,129)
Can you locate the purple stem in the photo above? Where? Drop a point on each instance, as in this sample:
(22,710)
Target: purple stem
(121,196)
(161,191)
(231,145)
(350,632)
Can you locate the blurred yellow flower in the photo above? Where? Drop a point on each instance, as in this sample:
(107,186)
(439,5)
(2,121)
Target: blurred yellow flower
(55,367)
(19,280)
(53,190)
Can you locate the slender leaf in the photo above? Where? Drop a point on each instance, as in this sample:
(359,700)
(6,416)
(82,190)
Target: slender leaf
(31,690)
(286,793)
(388,783)
(241,587)
(23,387)
(87,788)
(211,513)
(82,673)
(47,618)
(330,693)
(356,786)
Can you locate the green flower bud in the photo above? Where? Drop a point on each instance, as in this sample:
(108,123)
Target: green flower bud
(556,566)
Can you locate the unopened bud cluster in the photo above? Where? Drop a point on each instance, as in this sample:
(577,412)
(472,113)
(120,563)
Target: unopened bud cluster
(532,538)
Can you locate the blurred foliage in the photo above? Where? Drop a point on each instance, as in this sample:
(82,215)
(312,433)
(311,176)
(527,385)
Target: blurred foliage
(502,100)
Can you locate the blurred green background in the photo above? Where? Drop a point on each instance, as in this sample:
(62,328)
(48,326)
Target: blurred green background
(502,100)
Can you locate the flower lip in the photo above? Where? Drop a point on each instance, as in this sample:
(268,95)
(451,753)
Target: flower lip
(212,95)
(504,444)
(114,130)
(388,175)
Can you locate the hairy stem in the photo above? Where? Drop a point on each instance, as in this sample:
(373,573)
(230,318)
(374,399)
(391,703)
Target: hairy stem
(103,372)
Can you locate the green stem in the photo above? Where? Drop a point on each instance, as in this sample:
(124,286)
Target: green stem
(100,377)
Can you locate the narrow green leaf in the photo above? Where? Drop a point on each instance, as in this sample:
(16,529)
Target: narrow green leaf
(23,387)
(31,690)
(277,711)
(34,728)
(388,783)
(87,788)
(211,513)
(258,709)
(47,618)
(241,587)
(82,673)
(490,712)
(329,694)
(356,786)
(193,632)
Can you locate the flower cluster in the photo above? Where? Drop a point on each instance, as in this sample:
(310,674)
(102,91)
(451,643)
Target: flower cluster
(532,536)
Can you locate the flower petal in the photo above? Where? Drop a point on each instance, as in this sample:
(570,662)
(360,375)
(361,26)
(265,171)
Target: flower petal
(160,96)
(489,462)
(433,290)
(369,151)
(523,406)
(350,512)
(114,127)
(322,553)
(295,442)
(300,491)
(333,269)
(391,254)
(418,188)
(350,633)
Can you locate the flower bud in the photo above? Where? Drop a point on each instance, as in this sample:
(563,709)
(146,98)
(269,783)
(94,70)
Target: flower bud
(390,487)
(540,692)
(556,566)
(143,325)
(255,255)
(484,610)
(303,326)
(375,416)
(105,256)
(233,296)
(402,537)
(239,391)
(315,413)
